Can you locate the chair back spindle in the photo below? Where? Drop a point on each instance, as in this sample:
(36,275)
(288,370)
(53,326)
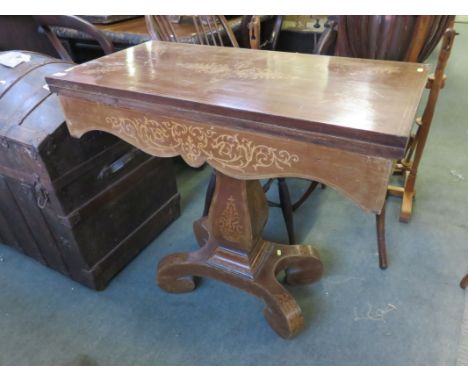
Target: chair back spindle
(72,22)
(160,28)
(211,30)
(435,85)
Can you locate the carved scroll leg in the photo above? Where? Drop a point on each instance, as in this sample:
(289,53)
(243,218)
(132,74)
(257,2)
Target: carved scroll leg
(464,282)
(303,266)
(175,271)
(282,311)
(301,263)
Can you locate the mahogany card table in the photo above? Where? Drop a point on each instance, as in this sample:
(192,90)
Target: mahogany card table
(251,115)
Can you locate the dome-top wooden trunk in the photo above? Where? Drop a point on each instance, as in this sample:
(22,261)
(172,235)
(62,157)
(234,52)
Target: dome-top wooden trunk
(82,207)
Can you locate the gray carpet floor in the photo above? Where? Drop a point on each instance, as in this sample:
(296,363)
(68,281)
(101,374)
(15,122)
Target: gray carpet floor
(410,314)
(462,359)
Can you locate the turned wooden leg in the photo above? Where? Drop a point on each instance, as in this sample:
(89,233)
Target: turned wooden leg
(286,208)
(406,207)
(464,282)
(407,197)
(380,222)
(234,252)
(407,194)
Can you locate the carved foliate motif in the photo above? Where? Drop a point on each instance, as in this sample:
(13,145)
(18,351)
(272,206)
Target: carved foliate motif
(198,144)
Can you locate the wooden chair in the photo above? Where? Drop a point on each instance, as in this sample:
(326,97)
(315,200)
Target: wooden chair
(210,30)
(409,164)
(215,30)
(160,28)
(400,38)
(72,22)
(255,37)
(426,33)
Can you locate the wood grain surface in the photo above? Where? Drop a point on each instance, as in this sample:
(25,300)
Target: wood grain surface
(367,101)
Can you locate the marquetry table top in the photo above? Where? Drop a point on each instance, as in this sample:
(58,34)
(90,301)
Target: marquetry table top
(350,102)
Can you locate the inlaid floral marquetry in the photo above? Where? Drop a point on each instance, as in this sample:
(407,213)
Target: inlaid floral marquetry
(229,221)
(97,69)
(198,144)
(239,70)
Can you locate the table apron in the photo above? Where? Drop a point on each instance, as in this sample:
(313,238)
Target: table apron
(242,154)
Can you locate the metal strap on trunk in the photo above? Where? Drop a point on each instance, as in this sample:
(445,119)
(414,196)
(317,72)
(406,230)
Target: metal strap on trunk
(33,101)
(23,69)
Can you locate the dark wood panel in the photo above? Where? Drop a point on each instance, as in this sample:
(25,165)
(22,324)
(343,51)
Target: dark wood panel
(34,220)
(17,221)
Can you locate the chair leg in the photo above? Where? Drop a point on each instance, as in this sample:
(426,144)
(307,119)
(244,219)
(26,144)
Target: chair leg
(286,208)
(267,185)
(380,220)
(209,193)
(313,185)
